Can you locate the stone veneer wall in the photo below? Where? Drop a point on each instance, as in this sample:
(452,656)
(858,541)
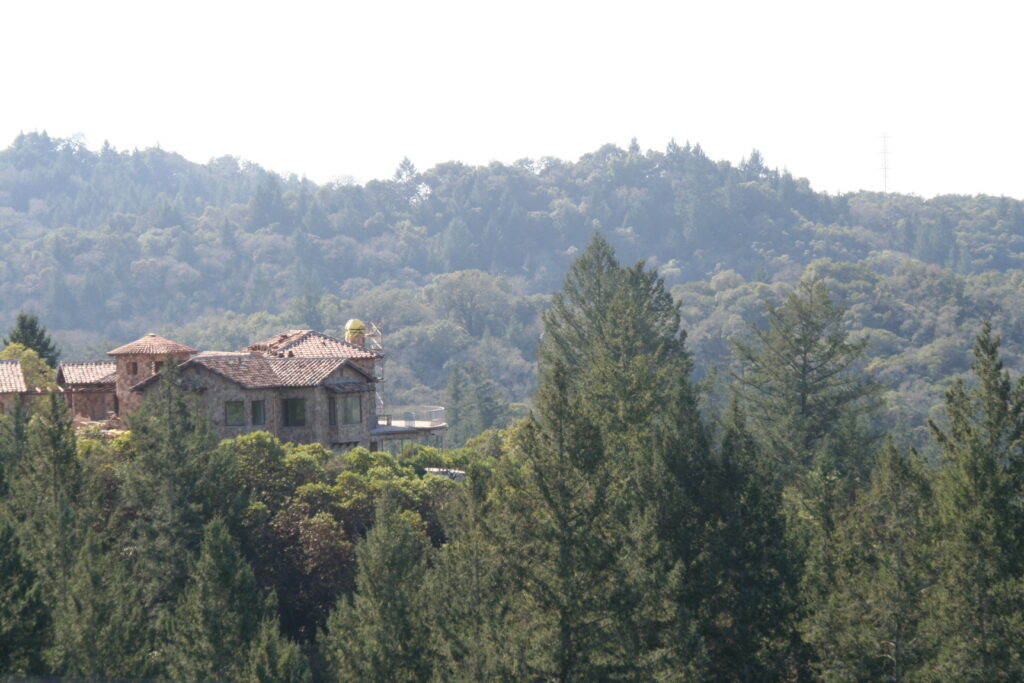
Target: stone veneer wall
(94,404)
(130,401)
(219,390)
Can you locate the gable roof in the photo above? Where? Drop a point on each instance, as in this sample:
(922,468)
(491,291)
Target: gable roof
(151,345)
(11,378)
(309,344)
(258,372)
(87,372)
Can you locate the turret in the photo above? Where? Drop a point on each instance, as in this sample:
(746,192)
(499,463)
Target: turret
(140,360)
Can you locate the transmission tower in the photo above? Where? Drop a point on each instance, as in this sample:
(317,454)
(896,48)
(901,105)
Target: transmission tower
(885,163)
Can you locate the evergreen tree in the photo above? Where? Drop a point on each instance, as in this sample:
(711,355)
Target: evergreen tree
(24,616)
(272,657)
(177,482)
(978,605)
(13,443)
(869,623)
(28,332)
(744,582)
(799,379)
(382,632)
(102,630)
(595,513)
(473,404)
(469,588)
(45,492)
(217,617)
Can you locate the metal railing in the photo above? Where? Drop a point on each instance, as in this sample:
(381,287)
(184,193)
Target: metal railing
(420,417)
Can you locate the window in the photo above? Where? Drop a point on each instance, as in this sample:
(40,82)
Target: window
(133,368)
(294,412)
(234,413)
(259,413)
(351,410)
(332,411)
(157,364)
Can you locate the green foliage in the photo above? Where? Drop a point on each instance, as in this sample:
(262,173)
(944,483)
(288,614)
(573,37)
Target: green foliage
(217,616)
(24,616)
(744,582)
(474,404)
(382,633)
(45,492)
(102,630)
(29,333)
(38,375)
(799,376)
(978,604)
(470,594)
(869,621)
(175,485)
(273,658)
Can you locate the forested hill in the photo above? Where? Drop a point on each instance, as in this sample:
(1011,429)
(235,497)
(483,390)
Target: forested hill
(107,245)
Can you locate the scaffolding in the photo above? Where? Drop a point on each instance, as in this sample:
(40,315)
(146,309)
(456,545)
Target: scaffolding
(375,343)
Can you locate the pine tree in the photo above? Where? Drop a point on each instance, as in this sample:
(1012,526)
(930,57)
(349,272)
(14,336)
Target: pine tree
(868,622)
(13,443)
(177,483)
(101,630)
(24,616)
(597,510)
(473,404)
(745,580)
(218,615)
(798,377)
(45,495)
(273,657)
(978,605)
(469,592)
(28,332)
(382,633)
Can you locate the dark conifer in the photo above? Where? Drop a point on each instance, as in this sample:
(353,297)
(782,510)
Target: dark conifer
(102,630)
(868,622)
(217,617)
(977,607)
(382,632)
(176,484)
(30,333)
(800,382)
(24,616)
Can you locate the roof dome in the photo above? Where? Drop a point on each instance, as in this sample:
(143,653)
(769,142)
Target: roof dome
(151,345)
(355,325)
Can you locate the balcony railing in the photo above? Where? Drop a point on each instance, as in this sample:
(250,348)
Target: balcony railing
(418,417)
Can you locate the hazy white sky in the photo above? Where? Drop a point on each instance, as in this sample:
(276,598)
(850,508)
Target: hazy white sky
(330,89)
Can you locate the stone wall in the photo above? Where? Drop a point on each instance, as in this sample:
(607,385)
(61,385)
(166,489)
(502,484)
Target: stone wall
(92,404)
(145,366)
(218,391)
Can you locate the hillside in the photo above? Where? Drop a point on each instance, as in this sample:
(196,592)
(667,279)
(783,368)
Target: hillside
(458,260)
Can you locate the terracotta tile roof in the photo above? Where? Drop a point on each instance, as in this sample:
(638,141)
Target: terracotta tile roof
(151,345)
(309,344)
(258,372)
(11,377)
(87,372)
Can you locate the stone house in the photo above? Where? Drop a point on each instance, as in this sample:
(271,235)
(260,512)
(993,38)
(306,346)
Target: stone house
(89,388)
(303,386)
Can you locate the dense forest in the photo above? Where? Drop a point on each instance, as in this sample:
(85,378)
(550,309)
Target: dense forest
(459,261)
(786,444)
